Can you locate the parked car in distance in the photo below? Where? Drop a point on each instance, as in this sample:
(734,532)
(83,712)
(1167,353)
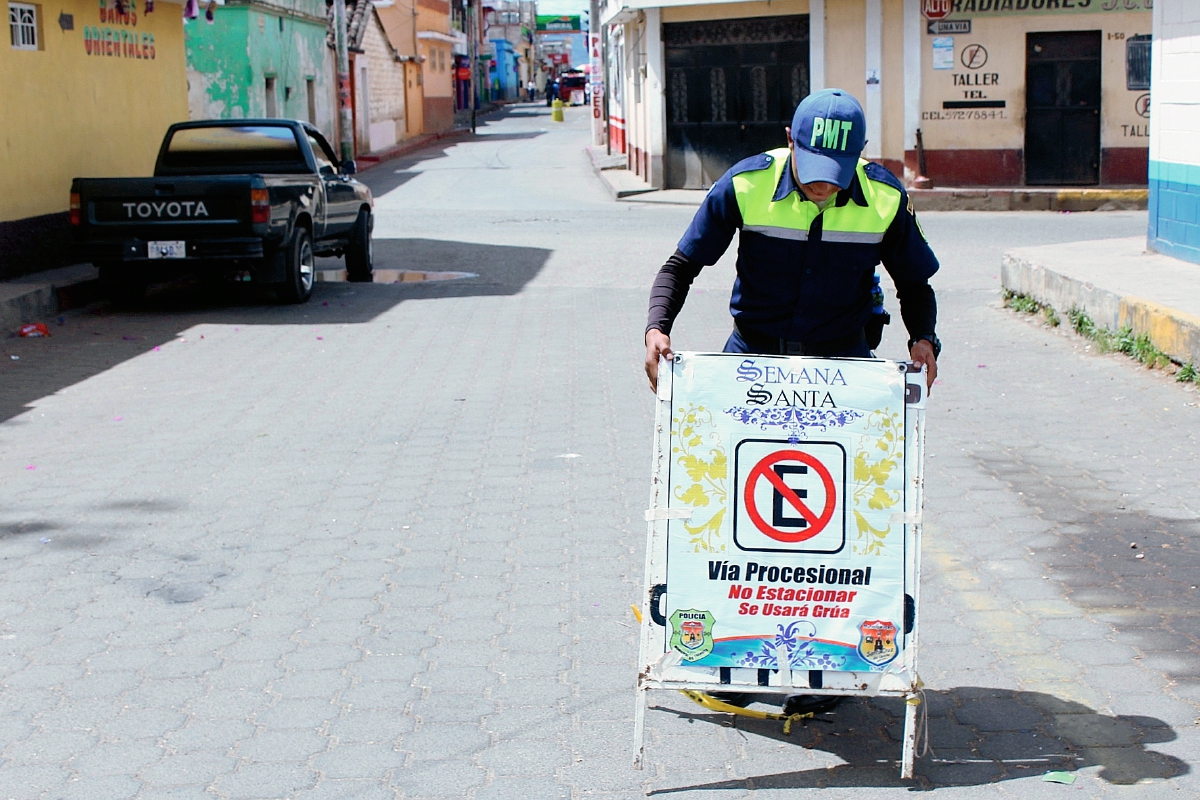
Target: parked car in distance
(252,200)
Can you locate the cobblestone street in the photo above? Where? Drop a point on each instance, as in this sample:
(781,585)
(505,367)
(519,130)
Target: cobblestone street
(384,544)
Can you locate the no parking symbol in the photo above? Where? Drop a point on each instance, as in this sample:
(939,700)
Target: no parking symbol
(790,497)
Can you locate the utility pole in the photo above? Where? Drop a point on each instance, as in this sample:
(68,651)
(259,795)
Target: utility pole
(473,13)
(345,114)
(596,73)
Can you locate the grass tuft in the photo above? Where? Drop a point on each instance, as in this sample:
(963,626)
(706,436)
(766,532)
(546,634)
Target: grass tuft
(1135,345)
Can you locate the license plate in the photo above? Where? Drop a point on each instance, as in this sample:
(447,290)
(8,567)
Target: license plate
(166,249)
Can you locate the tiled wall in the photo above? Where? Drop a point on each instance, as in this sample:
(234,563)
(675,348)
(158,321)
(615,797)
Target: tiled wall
(1175,210)
(1174,128)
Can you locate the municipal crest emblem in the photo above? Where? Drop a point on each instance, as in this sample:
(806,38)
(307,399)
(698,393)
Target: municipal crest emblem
(691,633)
(877,643)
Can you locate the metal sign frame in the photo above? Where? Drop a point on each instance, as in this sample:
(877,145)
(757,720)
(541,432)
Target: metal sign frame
(660,668)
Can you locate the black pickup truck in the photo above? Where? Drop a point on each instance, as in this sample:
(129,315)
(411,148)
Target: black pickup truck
(249,200)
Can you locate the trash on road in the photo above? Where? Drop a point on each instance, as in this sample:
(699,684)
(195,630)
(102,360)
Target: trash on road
(1058,776)
(34,330)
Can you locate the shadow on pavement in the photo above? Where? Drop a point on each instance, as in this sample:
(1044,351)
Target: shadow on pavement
(507,137)
(1146,592)
(977,736)
(89,341)
(382,180)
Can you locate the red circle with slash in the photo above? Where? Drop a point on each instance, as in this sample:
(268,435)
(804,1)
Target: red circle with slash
(816,522)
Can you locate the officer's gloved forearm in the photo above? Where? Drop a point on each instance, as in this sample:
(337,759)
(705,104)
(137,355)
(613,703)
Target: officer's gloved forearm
(670,290)
(918,307)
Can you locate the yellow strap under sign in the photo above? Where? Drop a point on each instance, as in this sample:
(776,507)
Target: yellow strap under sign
(713,704)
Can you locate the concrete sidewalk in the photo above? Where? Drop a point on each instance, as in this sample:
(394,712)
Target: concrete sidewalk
(623,184)
(1118,284)
(33,298)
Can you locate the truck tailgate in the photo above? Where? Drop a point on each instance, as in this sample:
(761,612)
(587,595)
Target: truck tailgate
(166,208)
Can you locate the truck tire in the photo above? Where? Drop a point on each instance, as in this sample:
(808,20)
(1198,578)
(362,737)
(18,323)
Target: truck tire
(359,252)
(299,268)
(123,285)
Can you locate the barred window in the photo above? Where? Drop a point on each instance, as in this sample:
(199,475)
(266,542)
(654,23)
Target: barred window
(716,86)
(22,22)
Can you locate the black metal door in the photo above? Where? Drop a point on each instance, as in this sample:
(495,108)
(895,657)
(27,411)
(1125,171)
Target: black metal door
(732,86)
(1062,108)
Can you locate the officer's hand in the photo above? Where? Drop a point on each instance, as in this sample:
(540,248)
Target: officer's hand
(657,344)
(922,353)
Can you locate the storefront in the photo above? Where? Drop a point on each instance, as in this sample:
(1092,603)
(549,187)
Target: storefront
(979,92)
(98,85)
(1036,93)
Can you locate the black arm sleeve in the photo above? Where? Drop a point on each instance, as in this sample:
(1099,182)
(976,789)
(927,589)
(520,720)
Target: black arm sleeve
(670,290)
(918,307)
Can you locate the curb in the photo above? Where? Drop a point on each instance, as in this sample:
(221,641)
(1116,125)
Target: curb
(619,181)
(1029,199)
(44,294)
(1175,332)
(404,148)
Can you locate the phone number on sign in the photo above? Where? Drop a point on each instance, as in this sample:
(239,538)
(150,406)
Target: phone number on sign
(960,114)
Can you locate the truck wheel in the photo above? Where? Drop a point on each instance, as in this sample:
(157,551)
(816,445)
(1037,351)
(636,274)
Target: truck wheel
(359,252)
(123,285)
(299,267)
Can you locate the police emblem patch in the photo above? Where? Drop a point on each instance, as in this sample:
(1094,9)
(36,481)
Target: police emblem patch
(877,643)
(691,633)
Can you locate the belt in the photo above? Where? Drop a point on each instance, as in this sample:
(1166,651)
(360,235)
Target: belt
(773,345)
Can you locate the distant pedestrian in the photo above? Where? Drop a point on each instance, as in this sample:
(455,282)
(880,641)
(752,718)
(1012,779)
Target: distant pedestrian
(531,89)
(551,91)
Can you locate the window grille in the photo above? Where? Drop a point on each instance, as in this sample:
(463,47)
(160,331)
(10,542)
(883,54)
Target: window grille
(679,105)
(22,22)
(1137,63)
(716,85)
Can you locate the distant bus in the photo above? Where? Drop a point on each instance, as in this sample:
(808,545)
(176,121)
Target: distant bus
(570,83)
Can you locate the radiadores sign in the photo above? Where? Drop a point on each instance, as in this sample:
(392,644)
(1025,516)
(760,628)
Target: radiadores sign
(785,519)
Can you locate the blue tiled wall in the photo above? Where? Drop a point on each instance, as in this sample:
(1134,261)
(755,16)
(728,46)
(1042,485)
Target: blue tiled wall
(1175,210)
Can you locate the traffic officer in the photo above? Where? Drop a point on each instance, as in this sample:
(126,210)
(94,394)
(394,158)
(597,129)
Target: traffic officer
(814,220)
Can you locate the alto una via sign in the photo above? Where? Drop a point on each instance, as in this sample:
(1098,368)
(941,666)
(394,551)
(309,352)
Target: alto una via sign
(936,9)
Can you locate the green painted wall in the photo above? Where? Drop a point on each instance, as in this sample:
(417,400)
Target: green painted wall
(229,61)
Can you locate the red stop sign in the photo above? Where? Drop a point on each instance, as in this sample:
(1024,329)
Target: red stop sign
(935,9)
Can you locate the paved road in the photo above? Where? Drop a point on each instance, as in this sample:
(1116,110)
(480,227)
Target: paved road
(337,551)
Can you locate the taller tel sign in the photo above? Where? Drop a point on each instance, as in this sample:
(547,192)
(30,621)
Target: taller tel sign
(935,9)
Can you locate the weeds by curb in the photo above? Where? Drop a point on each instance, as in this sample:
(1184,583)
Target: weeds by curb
(1027,305)
(1124,340)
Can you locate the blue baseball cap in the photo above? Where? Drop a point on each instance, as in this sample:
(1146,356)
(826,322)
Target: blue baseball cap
(829,131)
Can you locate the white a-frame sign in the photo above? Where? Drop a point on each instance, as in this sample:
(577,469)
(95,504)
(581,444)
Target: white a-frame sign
(784,530)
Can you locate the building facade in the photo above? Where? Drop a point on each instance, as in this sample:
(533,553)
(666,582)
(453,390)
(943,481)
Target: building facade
(91,92)
(436,45)
(263,58)
(965,92)
(1174,155)
(378,72)
(420,33)
(508,40)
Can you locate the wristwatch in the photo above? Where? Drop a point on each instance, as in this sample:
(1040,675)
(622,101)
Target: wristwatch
(932,339)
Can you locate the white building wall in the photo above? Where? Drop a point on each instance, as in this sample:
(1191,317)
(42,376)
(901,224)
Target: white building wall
(1174,227)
